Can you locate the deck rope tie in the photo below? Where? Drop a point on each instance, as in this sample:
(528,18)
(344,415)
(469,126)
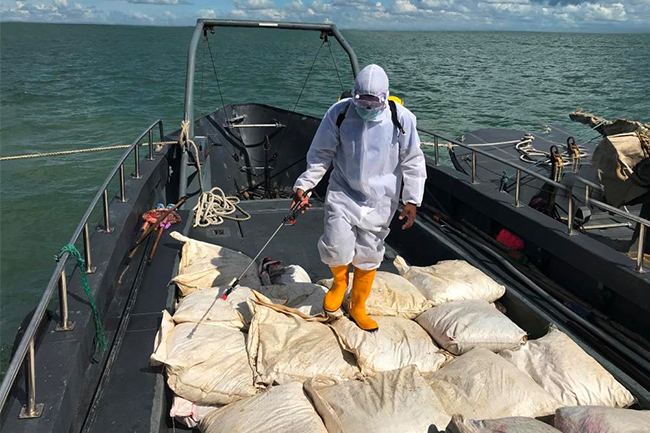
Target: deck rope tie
(77,151)
(101,340)
(214,206)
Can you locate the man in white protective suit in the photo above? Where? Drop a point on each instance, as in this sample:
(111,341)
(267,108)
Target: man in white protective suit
(373,145)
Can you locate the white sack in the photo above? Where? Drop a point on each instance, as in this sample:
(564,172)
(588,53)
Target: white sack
(306,297)
(292,274)
(206,265)
(391,295)
(599,419)
(566,371)
(188,413)
(206,364)
(398,343)
(482,385)
(460,326)
(394,401)
(460,424)
(450,280)
(233,310)
(281,409)
(284,345)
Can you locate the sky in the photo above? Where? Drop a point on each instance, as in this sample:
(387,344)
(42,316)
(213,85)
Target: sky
(517,15)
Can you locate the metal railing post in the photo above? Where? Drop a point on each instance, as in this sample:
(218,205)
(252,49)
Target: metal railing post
(64,324)
(435,149)
(518,189)
(151,157)
(640,250)
(31,409)
(107,217)
(474,167)
(122,184)
(87,257)
(136,152)
(160,130)
(570,230)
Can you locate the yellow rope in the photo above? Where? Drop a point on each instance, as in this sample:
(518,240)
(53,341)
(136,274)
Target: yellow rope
(73,152)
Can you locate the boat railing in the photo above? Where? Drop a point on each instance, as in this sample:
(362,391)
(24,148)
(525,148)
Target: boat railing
(25,352)
(589,201)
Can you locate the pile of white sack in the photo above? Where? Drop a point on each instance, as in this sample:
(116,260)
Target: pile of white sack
(268,359)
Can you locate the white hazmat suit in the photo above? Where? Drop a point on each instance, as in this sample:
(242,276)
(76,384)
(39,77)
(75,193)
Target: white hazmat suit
(371,159)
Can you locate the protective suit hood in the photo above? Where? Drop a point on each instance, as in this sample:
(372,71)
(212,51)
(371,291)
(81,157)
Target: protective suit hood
(372,80)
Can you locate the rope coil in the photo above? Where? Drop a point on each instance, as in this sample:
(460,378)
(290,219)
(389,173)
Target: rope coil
(101,341)
(214,206)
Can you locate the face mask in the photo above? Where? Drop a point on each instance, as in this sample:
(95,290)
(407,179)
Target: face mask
(368,113)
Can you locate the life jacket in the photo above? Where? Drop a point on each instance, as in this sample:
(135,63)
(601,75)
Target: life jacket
(393,116)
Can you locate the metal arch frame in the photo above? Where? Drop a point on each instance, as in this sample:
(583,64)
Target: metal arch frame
(201,24)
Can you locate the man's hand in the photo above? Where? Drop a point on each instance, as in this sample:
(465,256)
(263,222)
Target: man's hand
(409,212)
(300,196)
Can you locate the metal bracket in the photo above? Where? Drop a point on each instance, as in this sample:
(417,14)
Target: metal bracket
(38,411)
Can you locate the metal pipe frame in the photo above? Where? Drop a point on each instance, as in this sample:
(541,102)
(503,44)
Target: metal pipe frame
(25,345)
(518,189)
(136,152)
(640,250)
(65,324)
(31,409)
(474,168)
(436,151)
(107,215)
(122,185)
(570,230)
(150,157)
(87,254)
(201,24)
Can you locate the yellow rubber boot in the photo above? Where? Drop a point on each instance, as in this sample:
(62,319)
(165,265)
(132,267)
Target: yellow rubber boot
(361,286)
(334,297)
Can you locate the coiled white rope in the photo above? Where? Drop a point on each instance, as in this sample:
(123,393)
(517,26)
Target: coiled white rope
(214,206)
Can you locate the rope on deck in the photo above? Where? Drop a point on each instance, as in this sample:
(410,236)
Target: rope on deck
(214,206)
(74,152)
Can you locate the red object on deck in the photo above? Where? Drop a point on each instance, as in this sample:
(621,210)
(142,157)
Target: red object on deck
(510,240)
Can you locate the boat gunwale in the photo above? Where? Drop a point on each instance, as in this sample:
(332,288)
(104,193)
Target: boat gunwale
(31,332)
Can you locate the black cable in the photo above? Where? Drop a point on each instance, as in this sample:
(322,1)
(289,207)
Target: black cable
(306,80)
(202,72)
(329,45)
(223,104)
(284,132)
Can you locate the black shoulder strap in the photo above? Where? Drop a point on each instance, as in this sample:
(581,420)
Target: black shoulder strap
(394,118)
(341,118)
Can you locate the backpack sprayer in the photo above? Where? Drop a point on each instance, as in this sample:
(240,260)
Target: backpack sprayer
(290,218)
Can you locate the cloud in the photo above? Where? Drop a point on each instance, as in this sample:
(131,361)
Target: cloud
(539,15)
(404,7)
(254,4)
(159,2)
(207,13)
(60,11)
(350,3)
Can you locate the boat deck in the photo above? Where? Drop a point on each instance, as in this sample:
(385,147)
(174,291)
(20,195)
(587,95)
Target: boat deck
(132,379)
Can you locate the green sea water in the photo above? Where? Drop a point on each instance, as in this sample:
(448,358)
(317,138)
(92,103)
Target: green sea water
(74,86)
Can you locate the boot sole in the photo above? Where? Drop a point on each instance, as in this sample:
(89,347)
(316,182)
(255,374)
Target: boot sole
(373,330)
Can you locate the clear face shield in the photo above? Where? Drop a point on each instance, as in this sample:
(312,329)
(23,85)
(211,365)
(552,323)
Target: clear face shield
(369,107)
